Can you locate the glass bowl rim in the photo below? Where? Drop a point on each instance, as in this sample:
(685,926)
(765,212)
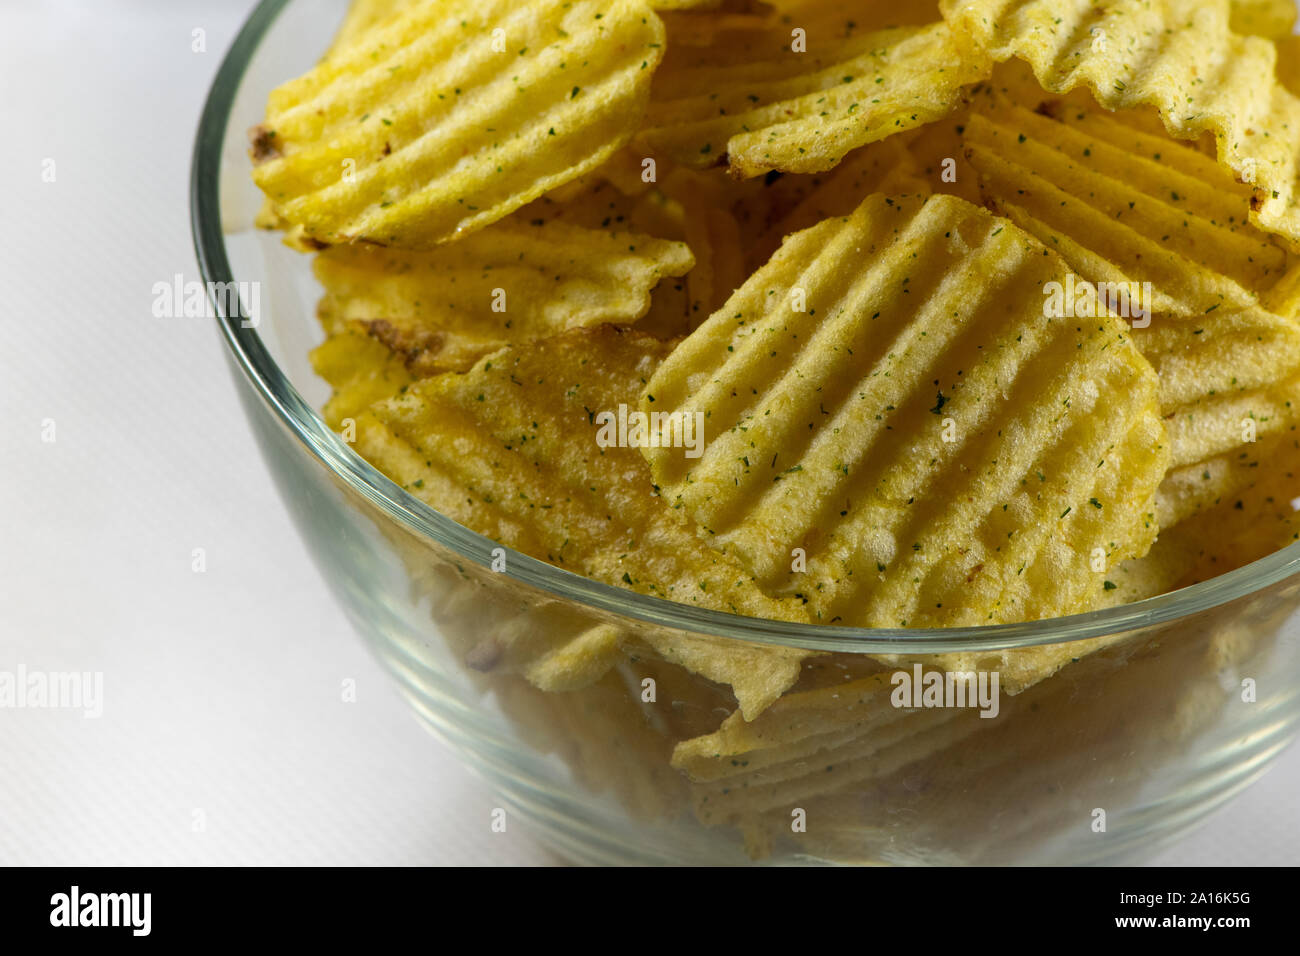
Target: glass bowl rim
(418,518)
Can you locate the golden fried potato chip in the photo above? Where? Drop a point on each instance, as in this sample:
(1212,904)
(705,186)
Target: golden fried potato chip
(551,646)
(1160,235)
(1249,524)
(531,448)
(453,114)
(361,370)
(1204,484)
(1178,56)
(513,282)
(362,17)
(1123,206)
(759,780)
(795,727)
(1274,19)
(752,671)
(801,103)
(898,433)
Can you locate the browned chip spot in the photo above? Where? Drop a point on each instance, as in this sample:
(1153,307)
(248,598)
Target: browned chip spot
(419,348)
(264,144)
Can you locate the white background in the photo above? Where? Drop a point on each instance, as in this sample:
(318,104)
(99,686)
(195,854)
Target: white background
(222,689)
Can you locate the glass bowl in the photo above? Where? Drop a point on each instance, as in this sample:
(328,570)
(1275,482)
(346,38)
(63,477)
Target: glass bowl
(1175,703)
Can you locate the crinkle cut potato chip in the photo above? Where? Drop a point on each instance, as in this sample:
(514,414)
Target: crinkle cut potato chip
(452,115)
(361,370)
(514,450)
(1178,56)
(802,109)
(362,17)
(1124,206)
(897,432)
(513,282)
(1258,517)
(1160,233)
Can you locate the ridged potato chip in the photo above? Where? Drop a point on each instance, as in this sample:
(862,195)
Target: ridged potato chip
(802,109)
(798,726)
(897,432)
(513,282)
(1257,518)
(362,17)
(1120,205)
(514,450)
(811,744)
(1159,232)
(1178,56)
(455,113)
(361,370)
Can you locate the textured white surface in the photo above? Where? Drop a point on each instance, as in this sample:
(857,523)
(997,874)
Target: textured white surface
(222,689)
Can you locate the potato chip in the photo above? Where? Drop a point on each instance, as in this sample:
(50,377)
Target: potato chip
(603,736)
(1159,232)
(1175,55)
(1148,210)
(795,727)
(1252,522)
(752,671)
(1006,792)
(524,448)
(362,17)
(1203,484)
(899,434)
(550,648)
(1274,19)
(801,104)
(512,282)
(755,785)
(361,370)
(626,171)
(447,118)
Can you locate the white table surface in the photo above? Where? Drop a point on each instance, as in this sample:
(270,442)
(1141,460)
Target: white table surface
(221,689)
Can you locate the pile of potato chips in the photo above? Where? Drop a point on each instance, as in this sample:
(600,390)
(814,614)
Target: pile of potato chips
(982,312)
